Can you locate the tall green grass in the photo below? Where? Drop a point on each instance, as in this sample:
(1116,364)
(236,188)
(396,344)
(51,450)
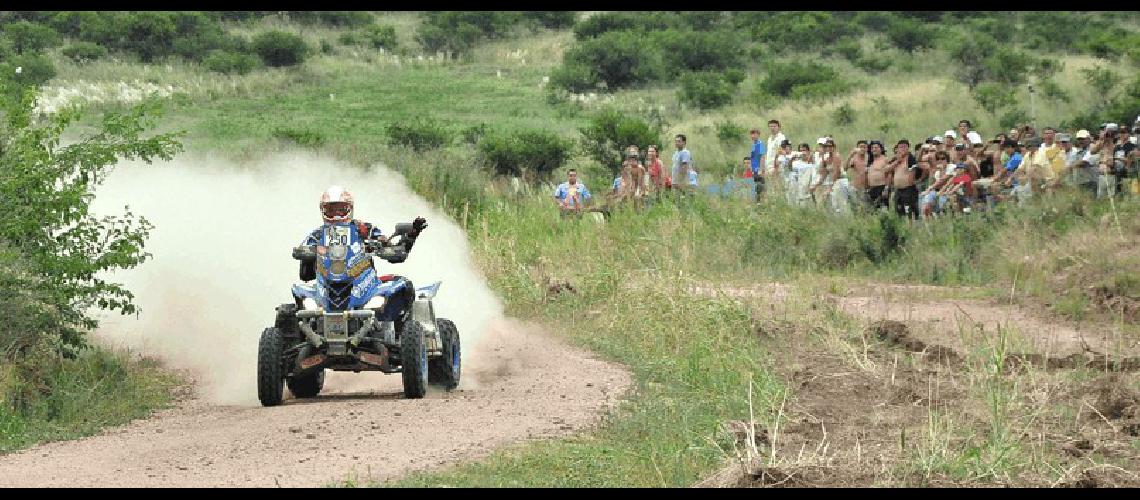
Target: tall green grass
(50,398)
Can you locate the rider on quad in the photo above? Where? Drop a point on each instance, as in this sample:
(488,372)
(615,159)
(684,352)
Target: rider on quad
(336,210)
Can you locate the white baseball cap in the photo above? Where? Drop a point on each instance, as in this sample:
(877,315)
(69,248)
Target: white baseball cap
(951,134)
(936,139)
(1083,134)
(821,140)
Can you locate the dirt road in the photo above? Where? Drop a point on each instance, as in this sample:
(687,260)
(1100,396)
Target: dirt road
(520,384)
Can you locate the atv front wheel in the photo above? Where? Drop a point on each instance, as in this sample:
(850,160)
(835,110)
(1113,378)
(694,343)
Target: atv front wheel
(270,376)
(413,360)
(444,370)
(307,386)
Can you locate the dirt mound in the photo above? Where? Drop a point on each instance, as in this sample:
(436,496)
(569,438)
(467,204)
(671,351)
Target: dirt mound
(1106,299)
(1115,402)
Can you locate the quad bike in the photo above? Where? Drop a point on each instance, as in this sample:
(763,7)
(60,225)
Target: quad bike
(350,319)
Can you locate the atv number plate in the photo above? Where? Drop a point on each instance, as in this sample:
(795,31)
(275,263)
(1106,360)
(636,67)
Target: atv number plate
(336,326)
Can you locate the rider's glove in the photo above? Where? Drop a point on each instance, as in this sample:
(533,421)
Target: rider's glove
(418,226)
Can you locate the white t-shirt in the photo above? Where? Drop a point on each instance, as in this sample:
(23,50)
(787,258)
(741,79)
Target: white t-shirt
(773,146)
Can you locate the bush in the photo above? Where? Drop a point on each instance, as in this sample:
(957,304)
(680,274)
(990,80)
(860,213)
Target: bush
(911,35)
(84,51)
(801,29)
(849,49)
(150,35)
(472,134)
(686,50)
(800,80)
(844,115)
(47,188)
(620,59)
(230,63)
(574,77)
(728,131)
(300,136)
(706,90)
(639,22)
(1013,118)
(533,150)
(381,36)
(34,69)
(30,37)
(421,134)
(278,48)
(552,19)
(459,31)
(994,97)
(341,18)
(610,132)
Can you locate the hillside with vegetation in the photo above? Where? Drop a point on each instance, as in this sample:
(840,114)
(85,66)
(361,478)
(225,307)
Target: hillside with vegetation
(707,299)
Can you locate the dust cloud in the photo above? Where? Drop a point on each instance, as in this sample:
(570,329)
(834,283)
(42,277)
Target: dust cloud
(221,260)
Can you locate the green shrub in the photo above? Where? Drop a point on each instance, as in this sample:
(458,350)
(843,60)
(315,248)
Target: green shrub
(381,36)
(994,97)
(84,51)
(729,131)
(638,22)
(611,131)
(301,136)
(341,18)
(619,59)
(1013,118)
(911,35)
(686,50)
(803,80)
(801,29)
(279,48)
(420,134)
(574,77)
(705,90)
(28,37)
(230,63)
(472,134)
(844,115)
(532,150)
(459,31)
(34,69)
(849,49)
(148,34)
(552,19)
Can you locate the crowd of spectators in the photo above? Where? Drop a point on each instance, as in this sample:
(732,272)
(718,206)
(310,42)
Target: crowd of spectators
(957,171)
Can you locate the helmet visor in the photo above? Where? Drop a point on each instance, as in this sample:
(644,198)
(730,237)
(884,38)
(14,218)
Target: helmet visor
(336,209)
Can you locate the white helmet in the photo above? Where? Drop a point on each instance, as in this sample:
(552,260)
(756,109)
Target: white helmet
(336,205)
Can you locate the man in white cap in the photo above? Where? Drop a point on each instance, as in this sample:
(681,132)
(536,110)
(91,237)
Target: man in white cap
(949,139)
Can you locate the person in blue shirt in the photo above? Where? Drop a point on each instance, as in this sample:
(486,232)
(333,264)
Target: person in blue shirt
(758,151)
(571,195)
(682,159)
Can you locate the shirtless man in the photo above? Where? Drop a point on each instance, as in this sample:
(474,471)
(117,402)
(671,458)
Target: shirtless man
(632,177)
(878,175)
(856,167)
(905,174)
(830,172)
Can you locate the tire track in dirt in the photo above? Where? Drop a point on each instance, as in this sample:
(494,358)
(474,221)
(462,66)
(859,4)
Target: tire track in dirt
(528,385)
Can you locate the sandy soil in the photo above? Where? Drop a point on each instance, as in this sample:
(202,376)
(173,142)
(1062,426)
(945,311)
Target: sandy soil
(521,384)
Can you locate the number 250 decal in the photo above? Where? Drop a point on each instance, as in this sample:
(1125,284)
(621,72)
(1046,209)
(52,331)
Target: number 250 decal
(338,236)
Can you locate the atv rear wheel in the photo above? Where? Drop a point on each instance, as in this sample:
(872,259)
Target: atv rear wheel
(444,371)
(270,373)
(307,386)
(413,360)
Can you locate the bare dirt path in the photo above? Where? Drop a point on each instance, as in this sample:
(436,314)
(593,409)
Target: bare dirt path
(522,384)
